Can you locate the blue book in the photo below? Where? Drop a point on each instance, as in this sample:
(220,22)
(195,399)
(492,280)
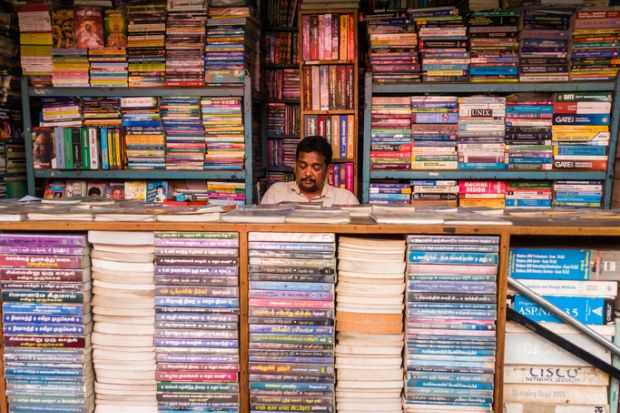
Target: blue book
(343,136)
(482,165)
(584,120)
(105,154)
(475,258)
(587,150)
(494,70)
(445,67)
(588,310)
(529,109)
(583,198)
(533,203)
(550,264)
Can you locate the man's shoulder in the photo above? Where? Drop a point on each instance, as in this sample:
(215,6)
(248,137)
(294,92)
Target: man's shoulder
(280,186)
(343,196)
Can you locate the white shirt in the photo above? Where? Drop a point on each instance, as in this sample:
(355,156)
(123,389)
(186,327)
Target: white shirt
(289,192)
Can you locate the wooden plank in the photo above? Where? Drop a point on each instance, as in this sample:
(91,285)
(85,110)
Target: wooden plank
(500,325)
(244,334)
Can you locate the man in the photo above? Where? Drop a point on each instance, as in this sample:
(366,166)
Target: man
(313,158)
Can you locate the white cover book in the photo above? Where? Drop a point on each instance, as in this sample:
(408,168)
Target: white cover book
(120,237)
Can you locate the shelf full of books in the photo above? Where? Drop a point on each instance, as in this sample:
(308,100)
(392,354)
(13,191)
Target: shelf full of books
(328,41)
(159,136)
(515,145)
(281,84)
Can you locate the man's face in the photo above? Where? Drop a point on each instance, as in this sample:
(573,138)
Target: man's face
(310,172)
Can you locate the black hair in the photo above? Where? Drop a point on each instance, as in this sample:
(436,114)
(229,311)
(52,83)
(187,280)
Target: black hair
(315,144)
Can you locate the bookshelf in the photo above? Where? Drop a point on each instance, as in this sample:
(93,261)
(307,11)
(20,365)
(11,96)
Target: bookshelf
(280,63)
(245,92)
(329,92)
(532,228)
(372,89)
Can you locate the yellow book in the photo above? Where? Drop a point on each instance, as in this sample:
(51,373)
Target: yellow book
(36,38)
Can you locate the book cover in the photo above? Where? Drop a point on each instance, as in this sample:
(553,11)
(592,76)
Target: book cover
(95,190)
(135,190)
(42,148)
(63,28)
(89,28)
(115,190)
(156,191)
(54,190)
(115,28)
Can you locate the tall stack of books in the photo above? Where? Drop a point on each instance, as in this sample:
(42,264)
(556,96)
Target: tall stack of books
(282,83)
(226,193)
(342,175)
(528,132)
(486,194)
(146,51)
(291,321)
(390,133)
(435,192)
(281,12)
(596,45)
(494,46)
(185,142)
(369,319)
(281,152)
(577,194)
(101,111)
(528,194)
(451,314)
(389,193)
(70,68)
(545,41)
(231,47)
(62,111)
(47,322)
(197,320)
(393,54)
(434,127)
(481,132)
(444,45)
(185,39)
(282,119)
(144,135)
(35,27)
(124,318)
(108,67)
(564,277)
(222,119)
(581,130)
(281,48)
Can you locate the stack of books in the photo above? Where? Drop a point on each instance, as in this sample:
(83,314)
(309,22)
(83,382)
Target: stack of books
(528,194)
(280,48)
(330,37)
(389,193)
(451,314)
(222,119)
(481,132)
(444,45)
(108,67)
(577,194)
(124,319)
(545,39)
(435,192)
(282,83)
(369,325)
(45,281)
(185,39)
(291,321)
(35,26)
(281,13)
(328,87)
(197,320)
(342,175)
(226,193)
(596,45)
(70,68)
(393,54)
(528,132)
(564,277)
(390,133)
(144,135)
(64,112)
(101,111)
(146,43)
(282,119)
(320,4)
(486,194)
(185,142)
(434,128)
(581,130)
(231,47)
(494,46)
(281,152)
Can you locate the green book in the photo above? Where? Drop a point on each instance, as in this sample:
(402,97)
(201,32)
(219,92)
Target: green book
(85,144)
(68,148)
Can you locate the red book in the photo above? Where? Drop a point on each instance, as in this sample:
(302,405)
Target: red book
(306,35)
(351,42)
(482,187)
(314,38)
(350,176)
(597,165)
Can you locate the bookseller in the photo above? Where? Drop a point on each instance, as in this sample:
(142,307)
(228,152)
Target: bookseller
(312,161)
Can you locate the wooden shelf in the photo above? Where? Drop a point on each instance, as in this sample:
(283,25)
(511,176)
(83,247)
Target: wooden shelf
(327,62)
(331,112)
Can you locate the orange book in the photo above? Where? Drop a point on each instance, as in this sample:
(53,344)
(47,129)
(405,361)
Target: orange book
(336,136)
(343,37)
(350,136)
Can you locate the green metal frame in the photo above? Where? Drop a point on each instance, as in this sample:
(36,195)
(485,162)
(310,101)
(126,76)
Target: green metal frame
(371,90)
(244,91)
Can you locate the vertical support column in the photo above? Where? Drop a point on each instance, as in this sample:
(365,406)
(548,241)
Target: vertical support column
(27,121)
(247,130)
(366,138)
(500,326)
(244,386)
(615,121)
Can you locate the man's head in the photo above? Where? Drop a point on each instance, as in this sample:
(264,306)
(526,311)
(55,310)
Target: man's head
(313,157)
